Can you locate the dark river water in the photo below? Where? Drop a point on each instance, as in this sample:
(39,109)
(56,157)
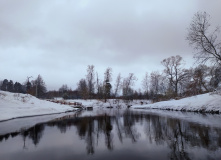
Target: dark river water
(117,134)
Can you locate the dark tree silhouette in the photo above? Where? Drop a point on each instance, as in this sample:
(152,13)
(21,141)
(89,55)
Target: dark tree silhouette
(206,43)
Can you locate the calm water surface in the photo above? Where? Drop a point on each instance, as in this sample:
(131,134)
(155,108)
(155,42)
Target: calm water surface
(114,134)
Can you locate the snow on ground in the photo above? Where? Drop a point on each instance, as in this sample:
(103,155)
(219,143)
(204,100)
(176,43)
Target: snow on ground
(15,105)
(111,103)
(208,102)
(85,103)
(201,103)
(202,119)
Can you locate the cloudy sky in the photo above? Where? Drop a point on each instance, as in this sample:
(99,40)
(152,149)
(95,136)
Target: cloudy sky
(59,38)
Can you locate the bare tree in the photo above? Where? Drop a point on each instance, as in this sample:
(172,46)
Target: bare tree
(63,91)
(145,84)
(90,80)
(64,88)
(127,84)
(118,84)
(174,71)
(200,77)
(155,79)
(83,89)
(183,84)
(205,42)
(215,81)
(99,87)
(97,82)
(158,85)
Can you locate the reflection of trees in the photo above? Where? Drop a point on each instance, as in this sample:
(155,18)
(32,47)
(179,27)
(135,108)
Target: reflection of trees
(90,137)
(107,130)
(90,128)
(160,129)
(176,140)
(176,134)
(129,125)
(35,133)
(24,135)
(119,129)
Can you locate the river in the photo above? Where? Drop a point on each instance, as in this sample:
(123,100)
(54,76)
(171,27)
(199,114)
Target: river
(107,134)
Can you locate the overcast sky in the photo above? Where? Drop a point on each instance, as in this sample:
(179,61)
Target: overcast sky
(59,38)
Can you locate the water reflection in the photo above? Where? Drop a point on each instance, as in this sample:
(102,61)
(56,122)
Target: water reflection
(177,136)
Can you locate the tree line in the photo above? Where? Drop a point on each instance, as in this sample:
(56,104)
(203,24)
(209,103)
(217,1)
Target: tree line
(35,87)
(173,82)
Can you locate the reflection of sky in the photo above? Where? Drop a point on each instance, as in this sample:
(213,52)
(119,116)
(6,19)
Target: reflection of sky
(55,145)
(154,139)
(17,124)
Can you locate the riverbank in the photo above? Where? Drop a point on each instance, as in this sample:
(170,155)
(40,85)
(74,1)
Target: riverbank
(205,103)
(17,105)
(14,105)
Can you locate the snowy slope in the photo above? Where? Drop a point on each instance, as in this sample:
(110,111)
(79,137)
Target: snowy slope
(202,103)
(14,105)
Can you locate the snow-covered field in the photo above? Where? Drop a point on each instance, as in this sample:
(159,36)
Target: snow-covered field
(15,105)
(201,103)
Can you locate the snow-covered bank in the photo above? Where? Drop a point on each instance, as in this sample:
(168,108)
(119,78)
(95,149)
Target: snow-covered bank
(15,105)
(210,103)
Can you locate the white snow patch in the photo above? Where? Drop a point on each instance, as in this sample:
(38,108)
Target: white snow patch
(203,103)
(14,105)
(115,103)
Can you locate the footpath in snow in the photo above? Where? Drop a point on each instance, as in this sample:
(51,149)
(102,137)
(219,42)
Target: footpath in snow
(16,105)
(210,103)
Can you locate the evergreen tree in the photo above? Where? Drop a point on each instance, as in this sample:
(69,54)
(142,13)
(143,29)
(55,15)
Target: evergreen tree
(4,86)
(107,85)
(18,88)
(10,86)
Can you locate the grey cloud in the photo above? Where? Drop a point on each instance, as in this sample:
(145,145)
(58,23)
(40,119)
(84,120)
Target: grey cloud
(63,37)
